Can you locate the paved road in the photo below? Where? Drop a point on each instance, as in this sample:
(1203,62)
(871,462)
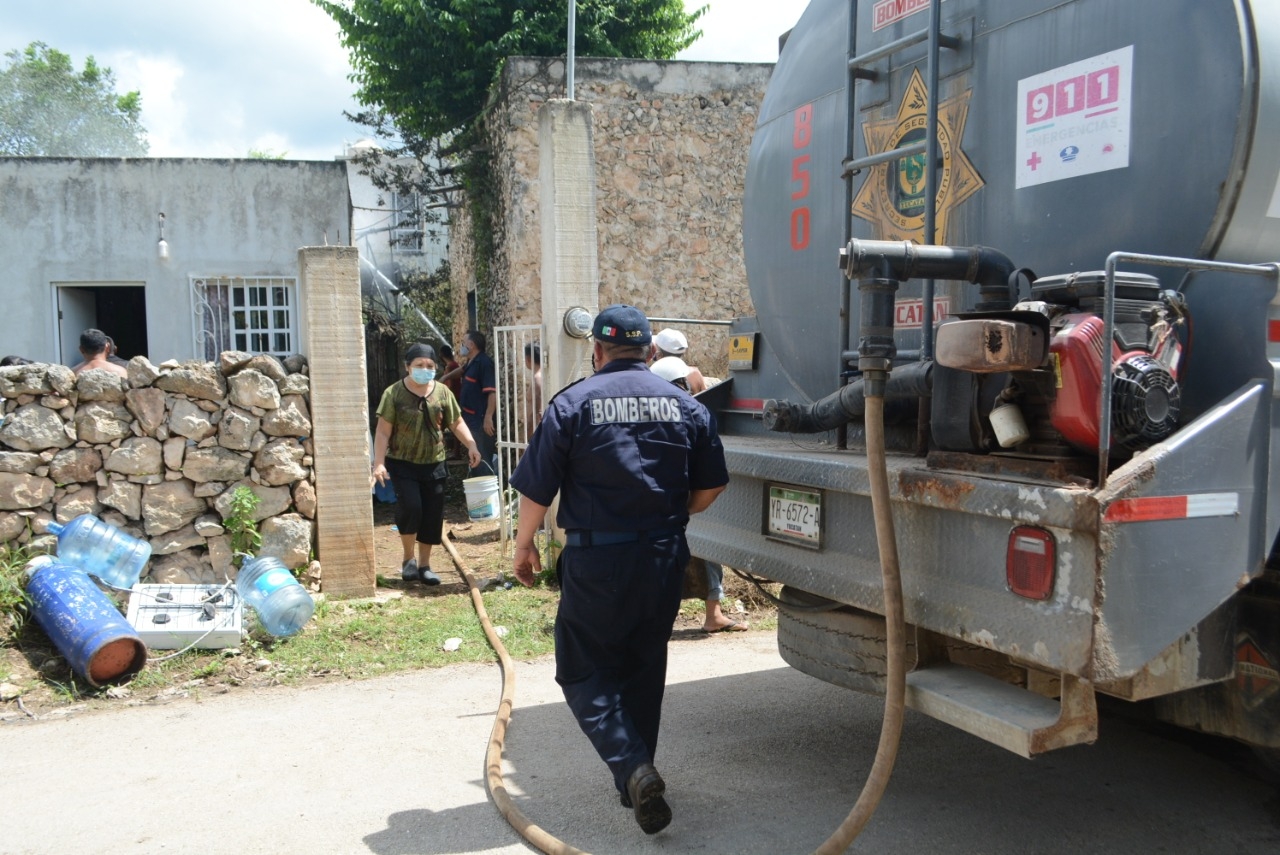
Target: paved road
(758,759)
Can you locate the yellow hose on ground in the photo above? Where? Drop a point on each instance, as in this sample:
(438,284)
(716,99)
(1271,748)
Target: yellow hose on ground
(537,836)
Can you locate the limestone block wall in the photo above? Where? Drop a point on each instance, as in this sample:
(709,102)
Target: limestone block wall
(158,455)
(671,142)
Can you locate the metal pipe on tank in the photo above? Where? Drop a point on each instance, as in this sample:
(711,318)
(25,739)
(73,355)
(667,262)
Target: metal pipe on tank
(990,269)
(876,347)
(931,171)
(932,166)
(913,380)
(850,110)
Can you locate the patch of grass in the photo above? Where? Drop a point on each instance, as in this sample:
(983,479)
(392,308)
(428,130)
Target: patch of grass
(13,593)
(353,639)
(345,639)
(367,637)
(70,690)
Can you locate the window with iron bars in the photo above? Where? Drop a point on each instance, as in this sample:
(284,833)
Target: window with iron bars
(250,313)
(408,233)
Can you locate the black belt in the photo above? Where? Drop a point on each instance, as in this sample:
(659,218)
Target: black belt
(586,537)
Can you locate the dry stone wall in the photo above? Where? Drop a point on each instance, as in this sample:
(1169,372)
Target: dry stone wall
(159,454)
(671,141)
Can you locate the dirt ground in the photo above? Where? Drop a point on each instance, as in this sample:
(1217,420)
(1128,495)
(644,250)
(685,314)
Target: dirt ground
(480,547)
(478,544)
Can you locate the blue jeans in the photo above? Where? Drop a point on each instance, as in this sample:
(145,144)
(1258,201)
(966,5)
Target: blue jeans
(715,581)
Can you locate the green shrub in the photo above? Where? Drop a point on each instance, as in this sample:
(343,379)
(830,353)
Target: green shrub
(239,523)
(13,591)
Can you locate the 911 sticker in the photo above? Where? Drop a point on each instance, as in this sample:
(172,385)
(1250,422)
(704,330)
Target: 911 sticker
(1075,119)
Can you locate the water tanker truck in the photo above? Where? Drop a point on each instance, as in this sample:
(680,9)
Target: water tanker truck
(1045,233)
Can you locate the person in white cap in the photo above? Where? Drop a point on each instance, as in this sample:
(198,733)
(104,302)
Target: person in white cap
(671,344)
(675,370)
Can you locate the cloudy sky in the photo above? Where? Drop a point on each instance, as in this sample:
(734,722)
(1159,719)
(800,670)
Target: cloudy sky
(221,77)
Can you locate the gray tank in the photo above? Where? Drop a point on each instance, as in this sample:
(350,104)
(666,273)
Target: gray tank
(1067,130)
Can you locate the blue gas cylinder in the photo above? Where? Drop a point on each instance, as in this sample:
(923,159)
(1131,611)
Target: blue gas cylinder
(283,605)
(101,550)
(82,622)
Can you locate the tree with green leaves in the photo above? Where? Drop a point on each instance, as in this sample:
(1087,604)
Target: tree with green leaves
(425,70)
(427,65)
(48,109)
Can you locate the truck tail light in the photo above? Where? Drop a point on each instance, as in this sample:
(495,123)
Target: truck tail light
(1030,561)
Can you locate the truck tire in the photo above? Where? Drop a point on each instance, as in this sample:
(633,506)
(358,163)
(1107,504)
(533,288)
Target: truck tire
(844,645)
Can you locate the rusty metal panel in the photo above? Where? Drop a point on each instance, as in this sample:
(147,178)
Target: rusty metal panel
(1160,577)
(952,532)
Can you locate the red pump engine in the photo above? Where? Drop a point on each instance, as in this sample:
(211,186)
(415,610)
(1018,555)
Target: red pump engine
(1145,358)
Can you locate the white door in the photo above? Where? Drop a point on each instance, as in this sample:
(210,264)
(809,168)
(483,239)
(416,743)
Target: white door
(77,312)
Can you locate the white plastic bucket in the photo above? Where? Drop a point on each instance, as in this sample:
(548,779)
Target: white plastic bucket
(482,496)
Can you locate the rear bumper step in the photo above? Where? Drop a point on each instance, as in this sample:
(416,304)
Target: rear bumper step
(1011,717)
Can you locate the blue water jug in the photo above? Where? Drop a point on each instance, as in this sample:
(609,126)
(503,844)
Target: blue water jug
(80,620)
(283,605)
(101,550)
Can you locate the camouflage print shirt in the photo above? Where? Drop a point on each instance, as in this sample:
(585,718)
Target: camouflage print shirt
(418,424)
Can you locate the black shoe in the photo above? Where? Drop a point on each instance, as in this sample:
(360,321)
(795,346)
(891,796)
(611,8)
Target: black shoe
(429,578)
(409,570)
(624,800)
(645,788)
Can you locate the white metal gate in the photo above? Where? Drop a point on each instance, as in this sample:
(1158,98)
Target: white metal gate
(517,359)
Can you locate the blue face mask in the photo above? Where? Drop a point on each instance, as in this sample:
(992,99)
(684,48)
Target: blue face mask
(464,351)
(423,376)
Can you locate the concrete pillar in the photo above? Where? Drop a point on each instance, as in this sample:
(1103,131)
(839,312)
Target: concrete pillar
(567,209)
(570,265)
(333,343)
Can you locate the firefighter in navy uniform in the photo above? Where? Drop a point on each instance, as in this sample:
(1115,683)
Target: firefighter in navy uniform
(632,457)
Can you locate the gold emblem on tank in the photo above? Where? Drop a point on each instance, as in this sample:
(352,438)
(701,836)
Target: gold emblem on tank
(892,198)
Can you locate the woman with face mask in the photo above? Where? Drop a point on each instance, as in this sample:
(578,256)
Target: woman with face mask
(409,448)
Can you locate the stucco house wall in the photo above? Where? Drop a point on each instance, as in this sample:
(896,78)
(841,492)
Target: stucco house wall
(83,226)
(671,140)
(395,234)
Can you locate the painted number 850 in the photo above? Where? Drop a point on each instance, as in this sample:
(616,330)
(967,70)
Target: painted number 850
(801,136)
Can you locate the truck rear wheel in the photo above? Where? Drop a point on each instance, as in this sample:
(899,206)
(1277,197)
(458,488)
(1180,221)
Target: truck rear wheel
(836,643)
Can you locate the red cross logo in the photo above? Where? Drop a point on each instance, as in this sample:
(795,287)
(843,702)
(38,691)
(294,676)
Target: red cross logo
(1034,160)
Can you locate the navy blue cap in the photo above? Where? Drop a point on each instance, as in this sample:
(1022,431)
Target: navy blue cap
(622,324)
